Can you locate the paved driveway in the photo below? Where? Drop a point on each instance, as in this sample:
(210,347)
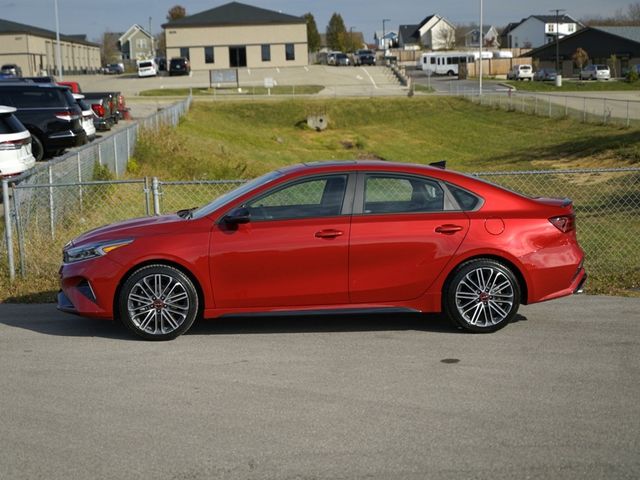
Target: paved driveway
(554,395)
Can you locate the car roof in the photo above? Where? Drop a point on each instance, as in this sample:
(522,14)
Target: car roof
(30,84)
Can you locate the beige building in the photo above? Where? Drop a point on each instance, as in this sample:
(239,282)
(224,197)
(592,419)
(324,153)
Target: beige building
(33,49)
(238,35)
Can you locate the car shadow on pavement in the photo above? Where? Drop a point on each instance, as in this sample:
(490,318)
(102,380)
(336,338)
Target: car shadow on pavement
(434,323)
(45,319)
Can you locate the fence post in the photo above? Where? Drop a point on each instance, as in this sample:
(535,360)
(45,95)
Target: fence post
(7,230)
(628,122)
(549,106)
(535,106)
(604,111)
(16,212)
(51,212)
(566,108)
(100,154)
(156,196)
(80,180)
(115,154)
(128,144)
(584,110)
(146,196)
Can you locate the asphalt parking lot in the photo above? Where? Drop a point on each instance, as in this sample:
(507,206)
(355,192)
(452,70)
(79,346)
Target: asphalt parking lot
(553,395)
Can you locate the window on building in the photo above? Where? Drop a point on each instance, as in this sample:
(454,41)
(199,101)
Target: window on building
(290,53)
(184,52)
(551,28)
(571,27)
(142,43)
(266,53)
(208,55)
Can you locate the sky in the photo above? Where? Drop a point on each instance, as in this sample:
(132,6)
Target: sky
(94,17)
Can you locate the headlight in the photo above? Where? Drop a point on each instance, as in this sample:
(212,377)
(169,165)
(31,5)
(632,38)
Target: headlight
(93,250)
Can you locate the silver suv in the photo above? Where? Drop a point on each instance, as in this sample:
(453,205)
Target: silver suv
(595,72)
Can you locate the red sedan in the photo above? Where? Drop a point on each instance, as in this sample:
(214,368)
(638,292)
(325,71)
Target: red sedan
(331,237)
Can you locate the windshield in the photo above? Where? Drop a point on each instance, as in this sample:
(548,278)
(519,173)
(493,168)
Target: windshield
(235,193)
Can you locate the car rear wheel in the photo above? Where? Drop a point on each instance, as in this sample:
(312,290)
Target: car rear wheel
(37,150)
(158,302)
(482,296)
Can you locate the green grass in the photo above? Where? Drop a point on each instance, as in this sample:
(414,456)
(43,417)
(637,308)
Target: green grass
(243,140)
(576,86)
(211,92)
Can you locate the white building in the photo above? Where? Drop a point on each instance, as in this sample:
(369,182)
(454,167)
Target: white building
(538,30)
(433,33)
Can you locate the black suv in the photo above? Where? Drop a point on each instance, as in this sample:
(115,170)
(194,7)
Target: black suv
(49,112)
(179,66)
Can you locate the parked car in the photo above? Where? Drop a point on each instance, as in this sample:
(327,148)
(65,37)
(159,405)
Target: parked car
(179,66)
(101,107)
(595,72)
(331,57)
(49,112)
(87,116)
(113,69)
(117,109)
(162,63)
(147,68)
(364,57)
(11,69)
(15,144)
(346,236)
(520,72)
(545,74)
(342,60)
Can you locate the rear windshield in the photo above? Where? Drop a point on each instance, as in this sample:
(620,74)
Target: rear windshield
(38,97)
(145,65)
(525,67)
(177,61)
(602,67)
(10,124)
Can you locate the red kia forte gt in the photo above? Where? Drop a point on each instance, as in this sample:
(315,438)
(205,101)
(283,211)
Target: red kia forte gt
(331,237)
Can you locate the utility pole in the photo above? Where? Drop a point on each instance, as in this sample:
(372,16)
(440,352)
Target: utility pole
(558,10)
(384,46)
(58,55)
(480,49)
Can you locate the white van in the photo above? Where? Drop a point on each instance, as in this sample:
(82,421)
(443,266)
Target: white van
(147,68)
(520,72)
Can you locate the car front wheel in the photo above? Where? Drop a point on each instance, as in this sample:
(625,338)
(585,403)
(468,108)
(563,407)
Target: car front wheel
(158,302)
(482,296)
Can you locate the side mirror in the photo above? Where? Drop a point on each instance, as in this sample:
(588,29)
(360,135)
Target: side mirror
(237,216)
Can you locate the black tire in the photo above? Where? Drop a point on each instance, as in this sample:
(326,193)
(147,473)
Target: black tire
(37,150)
(450,73)
(158,319)
(482,296)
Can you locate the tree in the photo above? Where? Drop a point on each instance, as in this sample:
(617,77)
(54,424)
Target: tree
(109,51)
(580,58)
(313,37)
(336,33)
(176,12)
(446,38)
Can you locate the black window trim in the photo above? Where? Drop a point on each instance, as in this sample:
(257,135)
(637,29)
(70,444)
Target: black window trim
(347,201)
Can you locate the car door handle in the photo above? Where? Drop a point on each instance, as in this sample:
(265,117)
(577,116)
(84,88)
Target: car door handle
(448,229)
(329,233)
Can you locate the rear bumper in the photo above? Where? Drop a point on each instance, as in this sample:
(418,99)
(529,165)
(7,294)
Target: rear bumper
(580,288)
(65,139)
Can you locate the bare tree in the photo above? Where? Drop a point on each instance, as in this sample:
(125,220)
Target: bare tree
(109,51)
(445,37)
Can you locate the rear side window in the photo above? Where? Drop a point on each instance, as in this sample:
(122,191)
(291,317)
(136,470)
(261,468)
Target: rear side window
(10,124)
(466,200)
(397,194)
(40,97)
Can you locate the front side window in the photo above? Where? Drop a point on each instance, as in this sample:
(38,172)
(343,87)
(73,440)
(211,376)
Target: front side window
(266,53)
(315,197)
(290,53)
(208,55)
(398,194)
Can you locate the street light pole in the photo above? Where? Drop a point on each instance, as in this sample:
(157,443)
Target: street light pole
(384,20)
(58,55)
(557,10)
(481,40)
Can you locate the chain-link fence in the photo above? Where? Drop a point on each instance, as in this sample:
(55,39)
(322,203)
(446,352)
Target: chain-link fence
(606,111)
(607,203)
(63,187)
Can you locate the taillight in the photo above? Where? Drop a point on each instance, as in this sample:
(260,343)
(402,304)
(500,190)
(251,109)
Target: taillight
(98,109)
(564,223)
(14,144)
(65,115)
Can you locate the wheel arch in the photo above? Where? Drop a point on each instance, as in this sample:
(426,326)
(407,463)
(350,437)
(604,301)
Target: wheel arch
(159,261)
(522,283)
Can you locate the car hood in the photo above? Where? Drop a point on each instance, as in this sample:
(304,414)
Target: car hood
(128,228)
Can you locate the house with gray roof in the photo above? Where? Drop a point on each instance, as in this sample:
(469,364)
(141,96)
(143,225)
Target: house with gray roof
(238,35)
(33,49)
(136,44)
(538,30)
(601,45)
